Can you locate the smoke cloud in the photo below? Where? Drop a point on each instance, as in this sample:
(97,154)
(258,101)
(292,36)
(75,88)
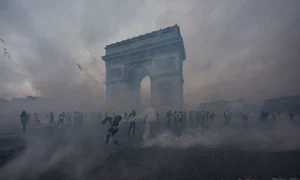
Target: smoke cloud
(254,135)
(234,48)
(81,153)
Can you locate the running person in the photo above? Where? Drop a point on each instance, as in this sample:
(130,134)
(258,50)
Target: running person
(113,128)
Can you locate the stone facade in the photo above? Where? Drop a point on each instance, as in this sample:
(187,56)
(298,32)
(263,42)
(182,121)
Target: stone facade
(160,56)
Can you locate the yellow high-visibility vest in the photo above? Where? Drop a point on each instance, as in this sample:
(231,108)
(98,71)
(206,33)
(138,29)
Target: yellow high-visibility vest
(111,124)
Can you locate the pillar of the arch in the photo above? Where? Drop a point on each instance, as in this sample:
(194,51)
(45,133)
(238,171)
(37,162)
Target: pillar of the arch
(176,93)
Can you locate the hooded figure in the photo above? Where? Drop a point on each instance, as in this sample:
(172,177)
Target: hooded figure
(24,119)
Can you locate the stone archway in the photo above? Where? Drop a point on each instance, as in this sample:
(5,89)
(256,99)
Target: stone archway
(160,56)
(134,79)
(165,92)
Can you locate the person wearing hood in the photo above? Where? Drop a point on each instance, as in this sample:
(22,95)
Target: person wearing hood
(24,119)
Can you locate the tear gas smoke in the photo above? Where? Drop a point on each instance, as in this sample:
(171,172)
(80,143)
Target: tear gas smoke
(282,136)
(148,115)
(75,154)
(234,48)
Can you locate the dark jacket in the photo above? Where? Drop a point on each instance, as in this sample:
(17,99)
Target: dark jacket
(24,117)
(51,116)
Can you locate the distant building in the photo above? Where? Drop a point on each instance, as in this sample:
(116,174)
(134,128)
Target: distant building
(3,102)
(282,104)
(31,98)
(231,105)
(22,100)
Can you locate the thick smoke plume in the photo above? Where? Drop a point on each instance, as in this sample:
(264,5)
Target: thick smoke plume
(234,48)
(255,135)
(81,153)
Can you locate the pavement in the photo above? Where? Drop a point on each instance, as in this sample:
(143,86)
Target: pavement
(80,154)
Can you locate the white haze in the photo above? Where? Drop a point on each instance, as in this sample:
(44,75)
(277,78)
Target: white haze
(283,136)
(76,152)
(235,48)
(267,136)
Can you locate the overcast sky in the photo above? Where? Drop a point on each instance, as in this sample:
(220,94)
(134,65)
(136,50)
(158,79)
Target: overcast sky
(234,48)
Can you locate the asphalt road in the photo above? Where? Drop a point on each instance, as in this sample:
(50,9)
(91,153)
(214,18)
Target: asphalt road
(80,154)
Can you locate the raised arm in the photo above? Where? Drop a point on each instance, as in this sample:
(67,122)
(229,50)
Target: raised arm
(129,116)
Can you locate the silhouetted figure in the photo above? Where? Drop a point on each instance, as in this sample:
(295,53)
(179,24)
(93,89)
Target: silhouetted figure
(226,116)
(169,115)
(175,116)
(24,119)
(157,117)
(125,115)
(264,115)
(51,117)
(100,116)
(274,115)
(191,116)
(61,119)
(132,119)
(211,115)
(291,115)
(36,119)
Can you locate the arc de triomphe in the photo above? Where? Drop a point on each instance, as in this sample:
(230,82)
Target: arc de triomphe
(159,55)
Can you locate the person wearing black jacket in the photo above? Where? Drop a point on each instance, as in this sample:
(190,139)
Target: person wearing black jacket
(132,119)
(24,119)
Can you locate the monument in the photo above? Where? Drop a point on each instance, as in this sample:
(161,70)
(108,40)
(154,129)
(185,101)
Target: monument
(159,55)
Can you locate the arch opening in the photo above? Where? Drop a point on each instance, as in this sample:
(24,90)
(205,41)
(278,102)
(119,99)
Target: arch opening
(139,86)
(145,91)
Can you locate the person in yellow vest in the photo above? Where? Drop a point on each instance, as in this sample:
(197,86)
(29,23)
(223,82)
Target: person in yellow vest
(113,128)
(131,118)
(211,115)
(226,116)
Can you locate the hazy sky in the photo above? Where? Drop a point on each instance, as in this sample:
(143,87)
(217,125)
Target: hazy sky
(234,48)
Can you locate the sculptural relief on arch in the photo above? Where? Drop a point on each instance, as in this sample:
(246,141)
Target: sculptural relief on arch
(159,55)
